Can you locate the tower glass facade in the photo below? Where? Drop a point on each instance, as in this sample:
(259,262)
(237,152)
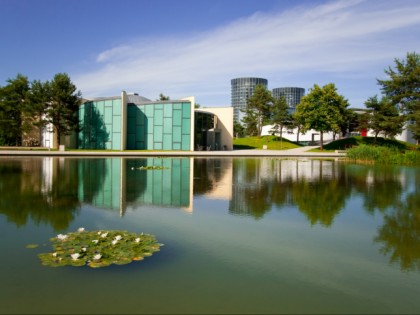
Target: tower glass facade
(241,90)
(293,95)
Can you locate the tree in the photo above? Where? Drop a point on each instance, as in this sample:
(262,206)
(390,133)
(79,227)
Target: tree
(257,112)
(13,98)
(280,116)
(238,129)
(323,110)
(403,88)
(63,105)
(163,97)
(38,100)
(297,123)
(384,117)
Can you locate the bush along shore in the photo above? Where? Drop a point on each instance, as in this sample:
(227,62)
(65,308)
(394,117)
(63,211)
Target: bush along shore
(383,155)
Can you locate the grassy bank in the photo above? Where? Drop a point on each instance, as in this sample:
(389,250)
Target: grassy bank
(272,143)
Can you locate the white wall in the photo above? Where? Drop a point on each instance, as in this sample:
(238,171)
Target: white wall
(224,123)
(291,135)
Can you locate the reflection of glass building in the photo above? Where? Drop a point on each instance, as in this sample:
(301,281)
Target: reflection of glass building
(241,90)
(117,183)
(133,122)
(292,95)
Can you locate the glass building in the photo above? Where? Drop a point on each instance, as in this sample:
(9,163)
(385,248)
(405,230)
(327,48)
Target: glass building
(241,90)
(293,95)
(133,122)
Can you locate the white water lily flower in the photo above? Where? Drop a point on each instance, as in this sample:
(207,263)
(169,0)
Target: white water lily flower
(81,229)
(84,249)
(97,256)
(137,239)
(114,242)
(75,256)
(54,254)
(62,237)
(95,241)
(118,237)
(104,234)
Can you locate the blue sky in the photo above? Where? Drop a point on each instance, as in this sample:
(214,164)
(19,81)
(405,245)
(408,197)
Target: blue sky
(195,47)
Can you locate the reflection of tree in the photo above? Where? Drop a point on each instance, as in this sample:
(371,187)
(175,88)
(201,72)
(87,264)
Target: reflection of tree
(252,193)
(257,199)
(380,187)
(92,173)
(27,192)
(320,201)
(400,233)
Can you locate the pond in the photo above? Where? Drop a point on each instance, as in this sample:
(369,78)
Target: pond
(240,235)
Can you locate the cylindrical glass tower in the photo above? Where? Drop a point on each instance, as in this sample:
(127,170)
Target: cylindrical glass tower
(241,90)
(293,95)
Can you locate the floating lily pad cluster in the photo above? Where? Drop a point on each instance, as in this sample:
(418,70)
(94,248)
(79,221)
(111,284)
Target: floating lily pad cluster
(151,168)
(99,248)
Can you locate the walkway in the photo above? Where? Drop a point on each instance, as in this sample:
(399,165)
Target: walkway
(297,152)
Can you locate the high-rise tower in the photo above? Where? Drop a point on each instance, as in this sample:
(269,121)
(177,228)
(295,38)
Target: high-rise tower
(241,90)
(293,95)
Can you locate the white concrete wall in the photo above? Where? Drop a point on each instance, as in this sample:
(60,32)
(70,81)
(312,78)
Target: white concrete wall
(292,135)
(224,123)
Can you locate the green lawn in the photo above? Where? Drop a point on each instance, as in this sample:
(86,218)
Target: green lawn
(272,143)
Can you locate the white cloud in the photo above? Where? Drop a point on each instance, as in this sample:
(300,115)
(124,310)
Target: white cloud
(335,41)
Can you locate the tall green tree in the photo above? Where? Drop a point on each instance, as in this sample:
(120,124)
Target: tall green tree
(280,116)
(38,101)
(383,117)
(63,105)
(403,88)
(13,99)
(323,110)
(257,112)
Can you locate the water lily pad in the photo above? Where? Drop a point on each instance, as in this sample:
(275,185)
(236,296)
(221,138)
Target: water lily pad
(32,246)
(151,168)
(99,248)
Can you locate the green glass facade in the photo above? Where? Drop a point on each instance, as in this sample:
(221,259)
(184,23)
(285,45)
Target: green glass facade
(100,123)
(159,126)
(105,124)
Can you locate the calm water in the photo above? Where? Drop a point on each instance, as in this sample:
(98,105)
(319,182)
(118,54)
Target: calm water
(241,235)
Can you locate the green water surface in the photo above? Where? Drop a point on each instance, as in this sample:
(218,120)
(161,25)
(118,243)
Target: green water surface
(241,235)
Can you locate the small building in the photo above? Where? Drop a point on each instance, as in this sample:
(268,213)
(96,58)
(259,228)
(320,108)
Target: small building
(133,122)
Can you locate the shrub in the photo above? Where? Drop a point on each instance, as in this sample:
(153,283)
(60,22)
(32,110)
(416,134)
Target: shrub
(383,155)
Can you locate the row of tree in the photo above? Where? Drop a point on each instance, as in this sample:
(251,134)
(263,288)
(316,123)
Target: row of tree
(324,110)
(25,105)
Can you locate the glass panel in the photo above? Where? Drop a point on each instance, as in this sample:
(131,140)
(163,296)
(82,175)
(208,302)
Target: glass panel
(108,115)
(116,141)
(116,105)
(185,142)
(116,123)
(186,110)
(158,133)
(177,118)
(186,128)
(167,125)
(167,110)
(167,142)
(158,117)
(176,134)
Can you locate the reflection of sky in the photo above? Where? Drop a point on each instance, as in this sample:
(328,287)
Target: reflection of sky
(301,263)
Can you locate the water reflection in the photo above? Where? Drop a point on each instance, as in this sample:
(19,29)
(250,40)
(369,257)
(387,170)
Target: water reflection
(52,190)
